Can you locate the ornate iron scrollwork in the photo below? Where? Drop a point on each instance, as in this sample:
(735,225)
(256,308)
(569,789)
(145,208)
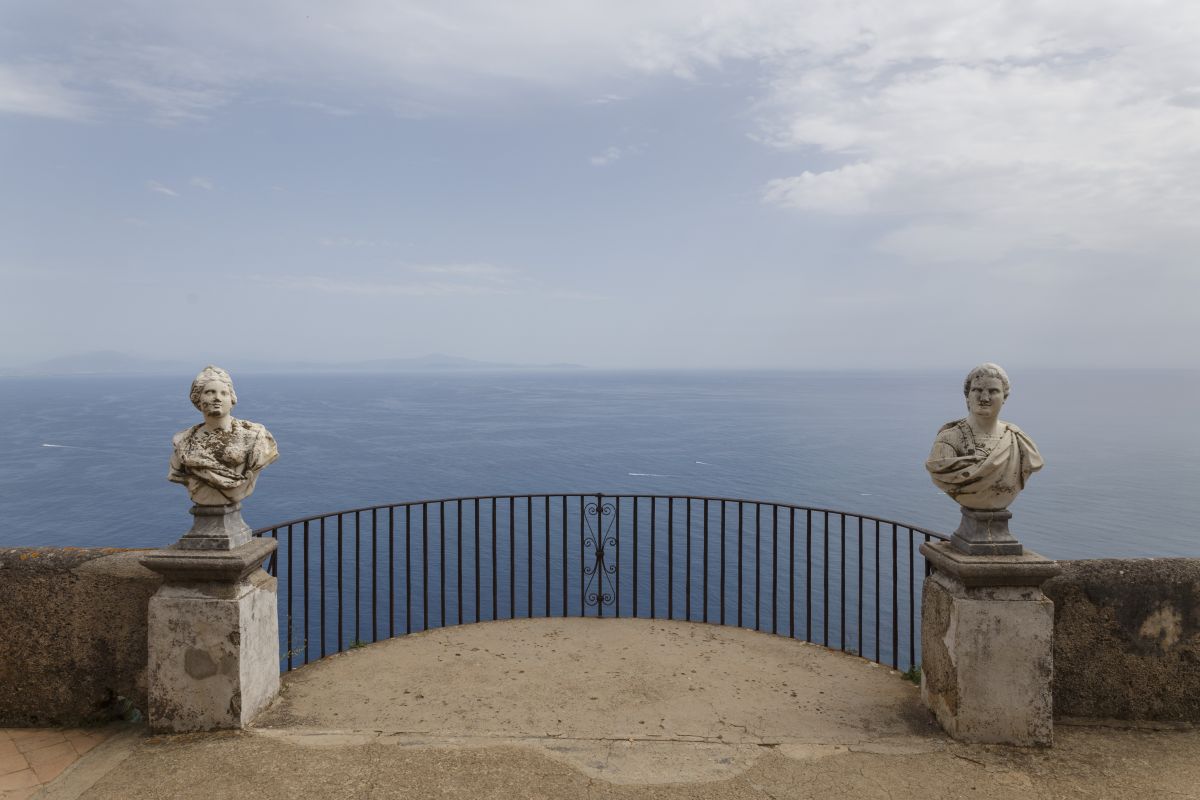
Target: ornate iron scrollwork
(600,573)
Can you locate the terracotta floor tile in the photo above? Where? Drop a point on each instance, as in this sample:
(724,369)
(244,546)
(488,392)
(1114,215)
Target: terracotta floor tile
(12,763)
(19,780)
(27,744)
(44,754)
(83,742)
(49,770)
(18,794)
(21,734)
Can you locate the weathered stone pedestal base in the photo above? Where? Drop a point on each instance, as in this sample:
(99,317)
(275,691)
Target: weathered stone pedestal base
(213,638)
(987,646)
(216,528)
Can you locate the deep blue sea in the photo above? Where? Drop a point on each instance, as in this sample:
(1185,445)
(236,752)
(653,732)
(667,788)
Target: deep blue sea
(83,460)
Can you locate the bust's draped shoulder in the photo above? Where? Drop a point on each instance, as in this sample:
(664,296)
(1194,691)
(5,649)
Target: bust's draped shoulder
(221,466)
(983,477)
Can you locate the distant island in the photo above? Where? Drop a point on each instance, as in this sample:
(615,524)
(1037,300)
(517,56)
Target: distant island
(108,362)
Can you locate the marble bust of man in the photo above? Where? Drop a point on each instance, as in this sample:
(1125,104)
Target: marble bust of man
(219,459)
(981,461)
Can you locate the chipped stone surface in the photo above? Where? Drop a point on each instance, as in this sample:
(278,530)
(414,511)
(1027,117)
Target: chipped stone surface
(1127,639)
(72,634)
(987,661)
(213,657)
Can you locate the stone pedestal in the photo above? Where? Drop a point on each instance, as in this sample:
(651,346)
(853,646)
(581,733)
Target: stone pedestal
(213,637)
(987,656)
(985,533)
(216,528)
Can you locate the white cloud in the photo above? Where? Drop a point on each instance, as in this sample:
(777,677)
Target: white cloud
(155,186)
(613,153)
(201,183)
(475,270)
(446,280)
(1071,127)
(39,92)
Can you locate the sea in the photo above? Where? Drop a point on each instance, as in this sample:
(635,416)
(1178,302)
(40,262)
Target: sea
(83,459)
(83,463)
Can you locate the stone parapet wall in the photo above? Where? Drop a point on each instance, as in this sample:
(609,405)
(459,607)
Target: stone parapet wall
(1127,639)
(72,634)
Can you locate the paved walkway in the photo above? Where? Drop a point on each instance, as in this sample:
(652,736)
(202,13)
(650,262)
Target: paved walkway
(615,709)
(32,757)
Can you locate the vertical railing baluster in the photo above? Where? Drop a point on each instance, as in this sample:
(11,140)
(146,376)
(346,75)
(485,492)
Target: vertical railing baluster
(391,571)
(459,558)
(774,569)
(322,573)
(374,574)
(599,568)
(512,557)
(495,591)
(757,565)
(670,558)
(564,557)
(792,574)
(478,584)
(635,555)
(842,583)
(407,569)
(582,581)
(706,564)
(687,588)
(442,563)
(617,561)
(425,566)
(860,587)
(546,522)
(825,587)
(808,576)
(529,556)
(341,637)
(722,562)
(289,598)
(653,554)
(895,605)
(740,544)
(912,612)
(357,575)
(877,591)
(306,620)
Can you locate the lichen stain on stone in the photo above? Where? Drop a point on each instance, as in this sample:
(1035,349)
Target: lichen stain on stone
(199,664)
(1164,625)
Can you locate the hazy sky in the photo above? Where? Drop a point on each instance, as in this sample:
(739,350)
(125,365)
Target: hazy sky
(693,183)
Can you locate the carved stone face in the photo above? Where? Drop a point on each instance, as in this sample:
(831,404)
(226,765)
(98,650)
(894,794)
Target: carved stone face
(215,400)
(985,397)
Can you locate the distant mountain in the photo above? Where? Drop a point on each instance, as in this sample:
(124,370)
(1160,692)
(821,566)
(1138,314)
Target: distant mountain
(107,362)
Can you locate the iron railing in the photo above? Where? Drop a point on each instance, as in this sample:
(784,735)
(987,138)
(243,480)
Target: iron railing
(352,577)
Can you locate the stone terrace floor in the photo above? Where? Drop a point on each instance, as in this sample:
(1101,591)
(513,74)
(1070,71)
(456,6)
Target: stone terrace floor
(615,709)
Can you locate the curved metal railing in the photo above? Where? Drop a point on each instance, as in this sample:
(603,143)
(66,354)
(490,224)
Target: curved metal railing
(831,577)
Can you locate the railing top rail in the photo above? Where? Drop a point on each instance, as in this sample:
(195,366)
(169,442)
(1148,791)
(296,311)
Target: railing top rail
(587,495)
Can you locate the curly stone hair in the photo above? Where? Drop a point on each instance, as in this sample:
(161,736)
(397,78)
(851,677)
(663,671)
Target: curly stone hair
(984,370)
(212,373)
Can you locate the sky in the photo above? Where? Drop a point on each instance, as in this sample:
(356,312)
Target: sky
(692,184)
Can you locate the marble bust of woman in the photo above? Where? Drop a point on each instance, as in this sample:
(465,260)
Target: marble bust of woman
(219,459)
(981,461)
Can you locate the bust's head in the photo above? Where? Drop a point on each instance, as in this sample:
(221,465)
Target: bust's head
(211,374)
(986,388)
(987,370)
